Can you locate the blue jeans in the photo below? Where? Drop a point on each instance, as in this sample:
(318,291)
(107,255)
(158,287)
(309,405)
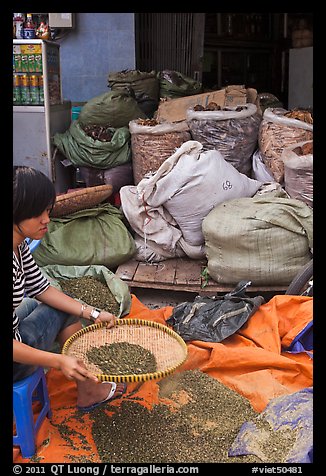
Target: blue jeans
(39,327)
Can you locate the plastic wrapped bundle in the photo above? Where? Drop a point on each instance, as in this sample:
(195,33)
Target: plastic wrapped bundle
(298,171)
(152,143)
(233,131)
(277,131)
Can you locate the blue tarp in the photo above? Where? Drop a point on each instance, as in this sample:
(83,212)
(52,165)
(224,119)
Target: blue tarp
(289,412)
(303,342)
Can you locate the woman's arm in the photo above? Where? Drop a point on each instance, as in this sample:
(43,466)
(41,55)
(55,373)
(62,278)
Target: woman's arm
(70,366)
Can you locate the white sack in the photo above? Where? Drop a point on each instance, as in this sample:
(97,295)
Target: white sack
(155,223)
(190,183)
(149,251)
(162,238)
(259,170)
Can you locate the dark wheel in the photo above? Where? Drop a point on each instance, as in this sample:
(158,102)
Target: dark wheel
(301,285)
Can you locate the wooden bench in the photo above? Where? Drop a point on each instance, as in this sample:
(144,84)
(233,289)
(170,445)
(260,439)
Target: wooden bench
(179,274)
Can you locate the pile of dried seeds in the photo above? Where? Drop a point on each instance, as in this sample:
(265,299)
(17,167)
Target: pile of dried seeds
(199,427)
(122,358)
(92,291)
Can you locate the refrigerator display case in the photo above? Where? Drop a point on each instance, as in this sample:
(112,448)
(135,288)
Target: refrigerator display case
(39,111)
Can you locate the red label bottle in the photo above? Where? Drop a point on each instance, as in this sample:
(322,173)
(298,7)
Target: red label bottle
(29,28)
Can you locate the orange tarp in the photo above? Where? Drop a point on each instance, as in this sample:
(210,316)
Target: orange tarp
(252,362)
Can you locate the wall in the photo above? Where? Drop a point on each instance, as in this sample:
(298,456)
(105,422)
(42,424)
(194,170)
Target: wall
(301,77)
(98,44)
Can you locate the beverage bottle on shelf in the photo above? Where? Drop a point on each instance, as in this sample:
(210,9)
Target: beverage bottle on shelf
(41,90)
(16,89)
(29,32)
(19,25)
(25,94)
(34,89)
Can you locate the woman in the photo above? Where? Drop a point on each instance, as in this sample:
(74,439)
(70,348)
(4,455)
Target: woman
(53,315)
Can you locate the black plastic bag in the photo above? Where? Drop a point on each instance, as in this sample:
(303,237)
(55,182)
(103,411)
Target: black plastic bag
(213,319)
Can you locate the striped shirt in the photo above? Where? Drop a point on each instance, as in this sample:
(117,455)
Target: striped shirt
(27,279)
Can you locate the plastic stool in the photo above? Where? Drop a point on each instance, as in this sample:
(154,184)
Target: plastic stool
(26,391)
(33,244)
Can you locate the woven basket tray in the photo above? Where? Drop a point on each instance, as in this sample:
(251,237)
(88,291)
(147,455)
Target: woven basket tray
(80,199)
(167,346)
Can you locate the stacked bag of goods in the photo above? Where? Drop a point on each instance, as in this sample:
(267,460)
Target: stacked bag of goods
(100,137)
(174,84)
(265,100)
(298,171)
(81,149)
(142,86)
(233,131)
(167,209)
(112,243)
(267,239)
(116,108)
(280,129)
(152,143)
(98,141)
(117,176)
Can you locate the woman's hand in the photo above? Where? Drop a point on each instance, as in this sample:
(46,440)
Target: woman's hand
(74,369)
(70,366)
(108,318)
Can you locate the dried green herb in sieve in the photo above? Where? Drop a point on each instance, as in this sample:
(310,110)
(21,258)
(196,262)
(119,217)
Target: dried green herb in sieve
(122,358)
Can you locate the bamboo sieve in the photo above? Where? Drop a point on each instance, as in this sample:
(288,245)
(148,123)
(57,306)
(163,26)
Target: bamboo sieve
(80,199)
(167,346)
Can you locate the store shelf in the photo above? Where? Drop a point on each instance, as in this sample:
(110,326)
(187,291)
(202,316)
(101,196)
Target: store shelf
(243,49)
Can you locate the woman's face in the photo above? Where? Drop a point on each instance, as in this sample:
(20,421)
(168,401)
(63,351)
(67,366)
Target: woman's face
(35,227)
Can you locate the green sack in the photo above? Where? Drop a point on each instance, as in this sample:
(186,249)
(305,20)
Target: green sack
(264,239)
(118,288)
(175,85)
(96,236)
(140,82)
(114,108)
(81,149)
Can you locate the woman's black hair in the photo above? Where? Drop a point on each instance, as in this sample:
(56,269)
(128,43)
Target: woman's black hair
(33,192)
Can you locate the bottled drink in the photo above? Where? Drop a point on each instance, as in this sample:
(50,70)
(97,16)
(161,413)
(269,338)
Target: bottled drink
(34,89)
(29,27)
(41,90)
(16,89)
(25,94)
(19,25)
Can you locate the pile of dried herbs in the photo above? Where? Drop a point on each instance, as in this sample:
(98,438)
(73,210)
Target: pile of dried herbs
(200,427)
(122,358)
(91,291)
(99,132)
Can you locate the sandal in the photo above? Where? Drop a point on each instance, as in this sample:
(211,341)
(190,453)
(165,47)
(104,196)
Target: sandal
(111,396)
